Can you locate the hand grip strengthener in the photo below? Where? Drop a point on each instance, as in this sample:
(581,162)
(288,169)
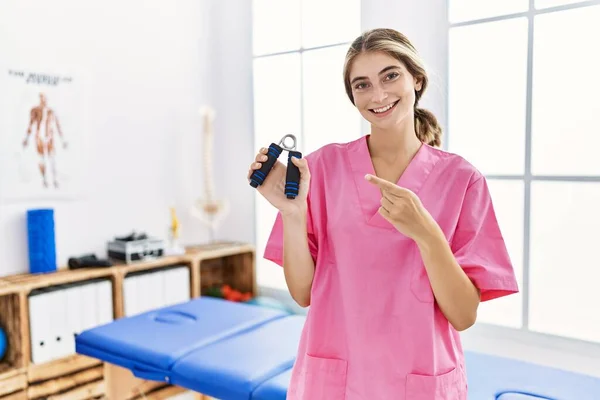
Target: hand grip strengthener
(292,177)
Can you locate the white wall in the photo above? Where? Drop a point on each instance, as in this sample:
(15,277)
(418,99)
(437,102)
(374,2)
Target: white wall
(231,60)
(150,64)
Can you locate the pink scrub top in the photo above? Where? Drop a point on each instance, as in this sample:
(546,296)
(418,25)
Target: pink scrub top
(373,329)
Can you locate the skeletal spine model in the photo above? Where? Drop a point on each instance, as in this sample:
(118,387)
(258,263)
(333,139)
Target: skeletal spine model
(209,210)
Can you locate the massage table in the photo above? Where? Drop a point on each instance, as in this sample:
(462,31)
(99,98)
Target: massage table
(230,351)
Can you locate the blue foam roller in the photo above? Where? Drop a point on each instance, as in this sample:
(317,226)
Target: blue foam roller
(41,240)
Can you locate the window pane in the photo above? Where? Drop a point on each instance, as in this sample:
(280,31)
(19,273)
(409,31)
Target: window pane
(507,197)
(487,91)
(566,84)
(276,26)
(466,10)
(267,272)
(329,116)
(276,113)
(564,259)
(553,3)
(329,22)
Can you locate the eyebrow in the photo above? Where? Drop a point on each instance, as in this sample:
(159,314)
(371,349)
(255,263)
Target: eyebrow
(380,72)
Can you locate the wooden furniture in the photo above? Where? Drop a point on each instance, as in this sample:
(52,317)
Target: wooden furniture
(77,377)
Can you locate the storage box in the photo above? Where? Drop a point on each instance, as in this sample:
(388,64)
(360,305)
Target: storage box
(136,250)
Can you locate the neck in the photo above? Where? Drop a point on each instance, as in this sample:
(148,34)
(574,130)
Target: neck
(394,144)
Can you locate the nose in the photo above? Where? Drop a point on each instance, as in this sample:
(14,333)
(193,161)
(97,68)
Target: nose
(379,94)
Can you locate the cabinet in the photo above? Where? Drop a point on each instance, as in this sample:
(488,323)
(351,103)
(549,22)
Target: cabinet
(41,313)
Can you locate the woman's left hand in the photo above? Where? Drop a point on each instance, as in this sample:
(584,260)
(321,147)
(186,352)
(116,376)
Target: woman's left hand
(404,210)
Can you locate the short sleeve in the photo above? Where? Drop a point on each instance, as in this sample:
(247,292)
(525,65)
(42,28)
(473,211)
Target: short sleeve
(274,246)
(479,247)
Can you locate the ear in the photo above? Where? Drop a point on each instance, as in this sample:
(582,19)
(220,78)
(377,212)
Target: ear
(418,84)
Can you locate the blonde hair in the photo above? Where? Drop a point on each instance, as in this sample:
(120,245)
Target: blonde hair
(396,45)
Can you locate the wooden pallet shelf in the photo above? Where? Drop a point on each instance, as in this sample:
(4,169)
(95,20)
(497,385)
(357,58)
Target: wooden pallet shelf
(77,377)
(68,382)
(60,367)
(21,395)
(13,380)
(13,364)
(227,267)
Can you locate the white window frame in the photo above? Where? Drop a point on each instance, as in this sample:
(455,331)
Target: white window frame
(523,343)
(276,292)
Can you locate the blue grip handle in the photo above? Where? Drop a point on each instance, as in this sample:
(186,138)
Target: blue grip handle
(258,176)
(292,177)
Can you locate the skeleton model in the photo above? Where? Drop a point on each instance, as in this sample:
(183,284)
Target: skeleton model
(44,120)
(209,210)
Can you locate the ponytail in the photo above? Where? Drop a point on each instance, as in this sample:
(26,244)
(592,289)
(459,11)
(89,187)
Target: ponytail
(427,128)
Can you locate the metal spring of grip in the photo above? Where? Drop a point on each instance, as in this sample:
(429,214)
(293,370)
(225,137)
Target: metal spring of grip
(292,178)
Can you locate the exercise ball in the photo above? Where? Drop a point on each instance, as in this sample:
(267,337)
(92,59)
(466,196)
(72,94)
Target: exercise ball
(3,343)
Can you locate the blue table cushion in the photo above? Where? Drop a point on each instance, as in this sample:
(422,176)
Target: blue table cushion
(150,343)
(275,388)
(489,376)
(234,367)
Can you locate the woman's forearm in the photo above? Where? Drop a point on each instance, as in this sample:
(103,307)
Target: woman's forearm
(298,264)
(456,295)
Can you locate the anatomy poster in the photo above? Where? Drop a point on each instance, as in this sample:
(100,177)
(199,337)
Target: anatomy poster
(42,135)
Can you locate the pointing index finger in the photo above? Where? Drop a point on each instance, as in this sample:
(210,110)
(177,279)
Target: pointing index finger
(385,185)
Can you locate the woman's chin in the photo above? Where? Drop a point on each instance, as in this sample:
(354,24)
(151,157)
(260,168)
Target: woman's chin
(383,124)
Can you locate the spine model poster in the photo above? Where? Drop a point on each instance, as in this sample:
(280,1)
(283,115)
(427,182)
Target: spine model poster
(41,135)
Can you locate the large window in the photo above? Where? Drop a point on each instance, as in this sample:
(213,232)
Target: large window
(299,49)
(523,103)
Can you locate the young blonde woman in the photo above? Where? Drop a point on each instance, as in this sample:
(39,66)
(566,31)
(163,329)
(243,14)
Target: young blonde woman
(392,242)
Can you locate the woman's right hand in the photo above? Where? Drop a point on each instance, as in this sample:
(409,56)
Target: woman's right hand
(273,187)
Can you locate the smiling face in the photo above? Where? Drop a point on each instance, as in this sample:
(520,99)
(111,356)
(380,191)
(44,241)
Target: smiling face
(383,89)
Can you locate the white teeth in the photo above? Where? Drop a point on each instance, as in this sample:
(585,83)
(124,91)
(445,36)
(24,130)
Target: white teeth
(383,109)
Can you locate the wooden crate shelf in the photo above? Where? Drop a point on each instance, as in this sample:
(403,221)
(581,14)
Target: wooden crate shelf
(60,367)
(13,380)
(74,383)
(230,265)
(11,321)
(153,264)
(29,282)
(4,286)
(90,390)
(77,377)
(20,395)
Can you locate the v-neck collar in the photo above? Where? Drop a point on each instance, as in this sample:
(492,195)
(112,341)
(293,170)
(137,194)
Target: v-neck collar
(369,195)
